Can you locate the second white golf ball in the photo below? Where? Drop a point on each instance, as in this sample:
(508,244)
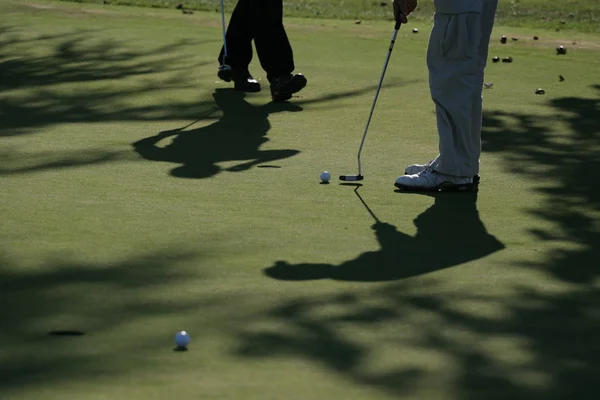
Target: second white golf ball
(182,339)
(325,176)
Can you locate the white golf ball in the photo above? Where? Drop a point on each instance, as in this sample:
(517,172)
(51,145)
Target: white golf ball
(325,176)
(182,339)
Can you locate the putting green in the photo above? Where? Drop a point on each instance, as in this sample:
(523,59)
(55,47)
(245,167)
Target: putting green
(118,224)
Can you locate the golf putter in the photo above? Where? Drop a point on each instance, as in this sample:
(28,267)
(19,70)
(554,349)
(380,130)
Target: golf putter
(359,176)
(225,72)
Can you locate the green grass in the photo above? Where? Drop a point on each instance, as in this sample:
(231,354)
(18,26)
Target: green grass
(578,15)
(222,229)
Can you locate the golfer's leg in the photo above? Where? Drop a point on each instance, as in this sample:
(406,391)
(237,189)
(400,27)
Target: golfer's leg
(271,41)
(487,23)
(239,37)
(455,84)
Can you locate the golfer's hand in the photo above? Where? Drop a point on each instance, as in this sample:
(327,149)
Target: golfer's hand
(402,8)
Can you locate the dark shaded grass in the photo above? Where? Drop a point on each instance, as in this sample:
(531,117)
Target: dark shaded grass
(558,332)
(560,329)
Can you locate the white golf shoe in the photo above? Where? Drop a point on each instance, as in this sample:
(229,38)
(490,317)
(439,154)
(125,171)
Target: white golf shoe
(418,168)
(429,180)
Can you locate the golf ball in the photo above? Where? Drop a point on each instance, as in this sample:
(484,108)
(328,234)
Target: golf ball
(325,176)
(182,339)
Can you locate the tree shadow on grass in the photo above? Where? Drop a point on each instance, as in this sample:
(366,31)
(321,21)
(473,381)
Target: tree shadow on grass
(77,58)
(12,163)
(410,335)
(533,340)
(79,77)
(36,73)
(91,300)
(561,156)
(256,116)
(236,136)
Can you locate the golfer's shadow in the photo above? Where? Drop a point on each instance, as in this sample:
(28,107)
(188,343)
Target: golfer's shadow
(449,233)
(236,136)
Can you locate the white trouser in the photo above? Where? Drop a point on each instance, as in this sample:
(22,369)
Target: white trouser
(456,58)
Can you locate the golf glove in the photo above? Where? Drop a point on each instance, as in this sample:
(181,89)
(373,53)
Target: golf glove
(402,8)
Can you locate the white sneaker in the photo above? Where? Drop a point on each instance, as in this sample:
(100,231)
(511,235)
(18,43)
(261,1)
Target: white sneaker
(429,180)
(416,168)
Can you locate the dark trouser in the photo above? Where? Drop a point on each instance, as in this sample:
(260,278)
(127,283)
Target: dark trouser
(261,21)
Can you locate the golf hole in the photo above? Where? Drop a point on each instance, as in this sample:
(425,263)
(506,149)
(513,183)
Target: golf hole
(66,333)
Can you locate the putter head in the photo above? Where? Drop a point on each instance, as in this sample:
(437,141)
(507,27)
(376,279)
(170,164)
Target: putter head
(351,178)
(225,73)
